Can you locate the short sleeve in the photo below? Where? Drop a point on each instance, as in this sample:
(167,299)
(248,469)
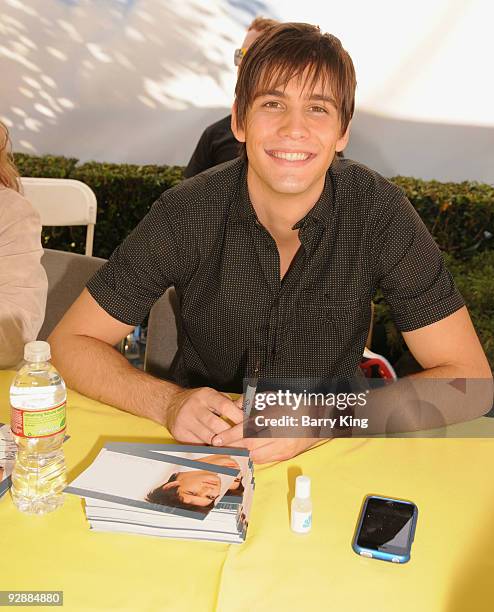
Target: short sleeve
(140,270)
(410,268)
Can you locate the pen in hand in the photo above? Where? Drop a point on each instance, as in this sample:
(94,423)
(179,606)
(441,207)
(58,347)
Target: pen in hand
(247,402)
(250,392)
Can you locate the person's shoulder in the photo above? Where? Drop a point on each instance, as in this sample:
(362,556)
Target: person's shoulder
(15,207)
(206,192)
(356,181)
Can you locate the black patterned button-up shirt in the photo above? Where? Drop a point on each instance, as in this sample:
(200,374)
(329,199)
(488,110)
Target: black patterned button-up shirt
(203,237)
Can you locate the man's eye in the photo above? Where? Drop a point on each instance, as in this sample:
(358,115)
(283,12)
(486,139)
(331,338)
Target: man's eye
(272,104)
(318,109)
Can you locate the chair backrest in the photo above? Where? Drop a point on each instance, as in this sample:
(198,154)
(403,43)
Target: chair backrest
(63,202)
(163,335)
(67,274)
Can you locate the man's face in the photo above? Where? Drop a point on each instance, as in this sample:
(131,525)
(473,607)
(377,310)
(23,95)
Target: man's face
(291,136)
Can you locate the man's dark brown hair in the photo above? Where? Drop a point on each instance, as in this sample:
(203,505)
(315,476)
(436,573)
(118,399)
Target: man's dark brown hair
(285,51)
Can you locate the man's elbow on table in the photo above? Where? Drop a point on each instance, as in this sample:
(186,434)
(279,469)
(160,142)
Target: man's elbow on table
(450,349)
(478,389)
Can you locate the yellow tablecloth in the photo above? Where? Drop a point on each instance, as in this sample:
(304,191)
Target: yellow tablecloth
(450,570)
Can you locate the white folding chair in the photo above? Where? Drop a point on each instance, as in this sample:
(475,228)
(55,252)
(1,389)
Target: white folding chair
(63,202)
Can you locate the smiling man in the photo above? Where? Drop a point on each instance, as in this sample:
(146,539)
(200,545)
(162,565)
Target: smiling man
(275,258)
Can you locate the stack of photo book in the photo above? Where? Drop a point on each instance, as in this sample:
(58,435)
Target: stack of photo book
(7,457)
(172,491)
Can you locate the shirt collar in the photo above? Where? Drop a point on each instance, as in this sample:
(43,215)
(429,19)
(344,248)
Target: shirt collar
(242,205)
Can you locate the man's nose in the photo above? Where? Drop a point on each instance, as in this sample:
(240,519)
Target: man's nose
(294,125)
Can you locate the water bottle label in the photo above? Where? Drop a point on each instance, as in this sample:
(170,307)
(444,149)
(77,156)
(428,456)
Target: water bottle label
(38,423)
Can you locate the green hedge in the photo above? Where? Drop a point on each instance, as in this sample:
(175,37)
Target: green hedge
(460,216)
(49,166)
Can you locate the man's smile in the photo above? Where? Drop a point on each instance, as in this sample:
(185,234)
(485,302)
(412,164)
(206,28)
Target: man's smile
(290,156)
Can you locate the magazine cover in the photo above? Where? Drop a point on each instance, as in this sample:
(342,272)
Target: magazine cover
(235,458)
(143,479)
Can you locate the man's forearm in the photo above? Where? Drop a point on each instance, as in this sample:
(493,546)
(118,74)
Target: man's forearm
(434,398)
(99,371)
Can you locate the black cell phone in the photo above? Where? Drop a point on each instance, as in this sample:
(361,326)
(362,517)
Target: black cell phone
(386,529)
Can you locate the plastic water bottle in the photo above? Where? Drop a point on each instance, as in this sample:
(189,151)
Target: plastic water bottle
(37,400)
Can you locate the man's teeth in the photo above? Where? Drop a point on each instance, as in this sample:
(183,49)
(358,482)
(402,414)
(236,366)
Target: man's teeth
(290,156)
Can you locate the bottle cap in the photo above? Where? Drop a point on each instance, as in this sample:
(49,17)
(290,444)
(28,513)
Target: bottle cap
(37,351)
(302,487)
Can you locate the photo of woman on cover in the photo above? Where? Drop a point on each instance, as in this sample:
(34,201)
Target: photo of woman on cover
(198,489)
(168,484)
(237,463)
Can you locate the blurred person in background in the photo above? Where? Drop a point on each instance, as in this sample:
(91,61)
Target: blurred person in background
(23,282)
(217,143)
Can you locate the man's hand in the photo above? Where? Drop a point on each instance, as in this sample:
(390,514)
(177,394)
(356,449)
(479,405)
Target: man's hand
(194,415)
(264,450)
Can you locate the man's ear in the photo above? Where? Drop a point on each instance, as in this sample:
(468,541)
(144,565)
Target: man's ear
(342,141)
(237,132)
(170,485)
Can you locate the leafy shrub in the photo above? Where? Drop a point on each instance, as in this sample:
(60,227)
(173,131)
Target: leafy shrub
(48,166)
(460,216)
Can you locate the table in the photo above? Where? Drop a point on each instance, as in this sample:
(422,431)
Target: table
(450,570)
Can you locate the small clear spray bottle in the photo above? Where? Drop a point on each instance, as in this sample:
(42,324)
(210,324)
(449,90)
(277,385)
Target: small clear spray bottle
(301,515)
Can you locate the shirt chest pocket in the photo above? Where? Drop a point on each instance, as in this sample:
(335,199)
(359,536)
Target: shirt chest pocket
(322,305)
(326,333)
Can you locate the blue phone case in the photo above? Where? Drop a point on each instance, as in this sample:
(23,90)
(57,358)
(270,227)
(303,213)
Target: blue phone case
(372,553)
